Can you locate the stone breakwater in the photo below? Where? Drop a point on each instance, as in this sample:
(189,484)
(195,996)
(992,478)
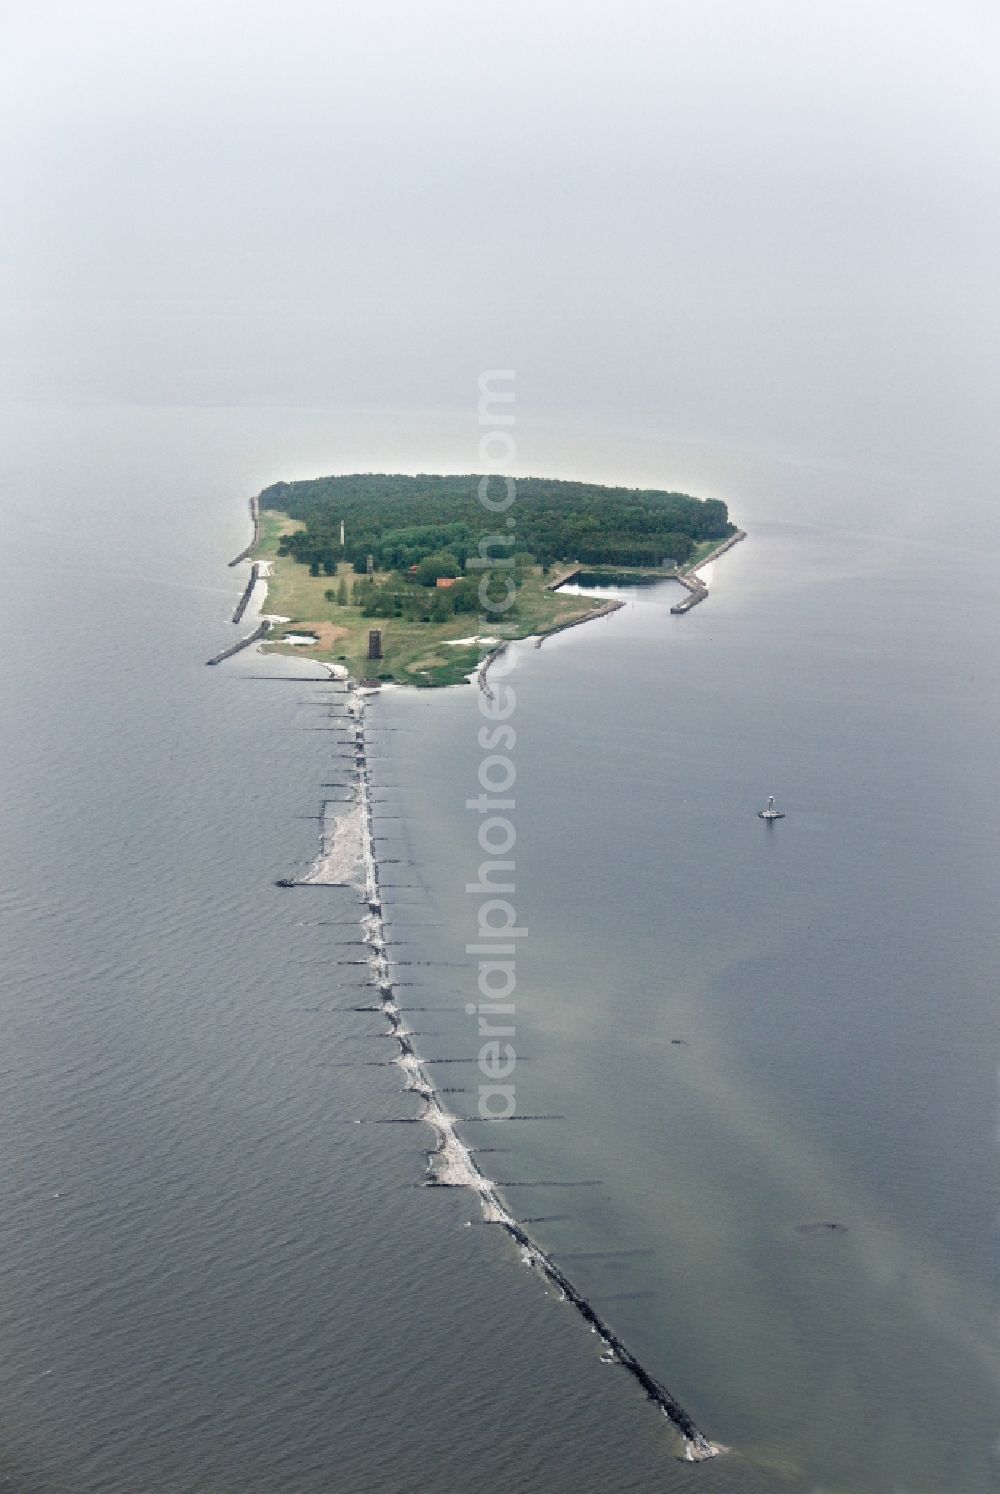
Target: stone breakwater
(688,578)
(256,570)
(483,670)
(697,590)
(605,610)
(451,1164)
(244,601)
(234,648)
(255,521)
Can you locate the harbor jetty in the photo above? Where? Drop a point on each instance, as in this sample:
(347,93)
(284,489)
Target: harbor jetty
(688,577)
(697,592)
(696,588)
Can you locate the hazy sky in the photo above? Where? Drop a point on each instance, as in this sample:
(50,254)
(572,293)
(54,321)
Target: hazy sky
(646,208)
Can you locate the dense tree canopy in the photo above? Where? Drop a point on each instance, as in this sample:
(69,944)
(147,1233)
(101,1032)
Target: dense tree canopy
(403,521)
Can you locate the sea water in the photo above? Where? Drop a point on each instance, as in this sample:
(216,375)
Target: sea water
(220,1269)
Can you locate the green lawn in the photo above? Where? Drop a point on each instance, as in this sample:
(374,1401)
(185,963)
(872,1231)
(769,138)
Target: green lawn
(414,653)
(701,549)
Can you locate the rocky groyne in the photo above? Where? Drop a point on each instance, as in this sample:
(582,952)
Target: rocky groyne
(255,521)
(234,648)
(483,670)
(452,1163)
(244,601)
(604,610)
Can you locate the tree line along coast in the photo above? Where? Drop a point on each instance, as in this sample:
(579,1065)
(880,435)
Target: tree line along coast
(410,555)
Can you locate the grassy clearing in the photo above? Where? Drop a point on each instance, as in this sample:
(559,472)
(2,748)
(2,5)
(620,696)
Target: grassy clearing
(414,653)
(701,550)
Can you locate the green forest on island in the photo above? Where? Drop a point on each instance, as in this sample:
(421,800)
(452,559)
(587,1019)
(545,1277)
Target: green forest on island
(436,523)
(426,550)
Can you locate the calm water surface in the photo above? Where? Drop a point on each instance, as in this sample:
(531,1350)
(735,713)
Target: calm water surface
(211,1279)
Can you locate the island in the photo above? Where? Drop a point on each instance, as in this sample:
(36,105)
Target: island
(381,574)
(423,580)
